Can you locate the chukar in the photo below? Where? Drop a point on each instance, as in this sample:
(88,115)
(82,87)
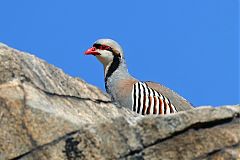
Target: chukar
(141,97)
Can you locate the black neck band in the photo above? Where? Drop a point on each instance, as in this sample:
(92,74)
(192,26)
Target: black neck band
(113,67)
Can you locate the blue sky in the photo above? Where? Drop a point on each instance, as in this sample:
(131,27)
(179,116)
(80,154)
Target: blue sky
(190,46)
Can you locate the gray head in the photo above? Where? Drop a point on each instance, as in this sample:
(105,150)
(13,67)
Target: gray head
(110,54)
(105,50)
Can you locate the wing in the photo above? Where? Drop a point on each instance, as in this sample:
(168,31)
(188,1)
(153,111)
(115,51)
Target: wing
(178,101)
(146,100)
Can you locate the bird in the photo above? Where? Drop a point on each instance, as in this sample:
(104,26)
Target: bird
(142,97)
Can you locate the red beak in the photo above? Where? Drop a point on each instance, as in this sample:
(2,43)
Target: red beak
(92,51)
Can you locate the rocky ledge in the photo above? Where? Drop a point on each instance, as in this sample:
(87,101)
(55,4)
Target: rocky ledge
(46,114)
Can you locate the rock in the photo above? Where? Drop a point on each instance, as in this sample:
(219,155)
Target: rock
(39,103)
(46,114)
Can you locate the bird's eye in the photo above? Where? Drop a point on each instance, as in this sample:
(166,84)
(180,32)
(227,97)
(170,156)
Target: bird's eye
(103,47)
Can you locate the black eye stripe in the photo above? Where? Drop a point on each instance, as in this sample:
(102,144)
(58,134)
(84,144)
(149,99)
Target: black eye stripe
(105,47)
(102,47)
(97,45)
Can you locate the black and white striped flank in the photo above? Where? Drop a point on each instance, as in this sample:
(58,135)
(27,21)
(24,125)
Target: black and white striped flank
(146,100)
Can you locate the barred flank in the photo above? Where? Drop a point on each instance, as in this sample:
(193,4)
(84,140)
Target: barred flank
(146,100)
